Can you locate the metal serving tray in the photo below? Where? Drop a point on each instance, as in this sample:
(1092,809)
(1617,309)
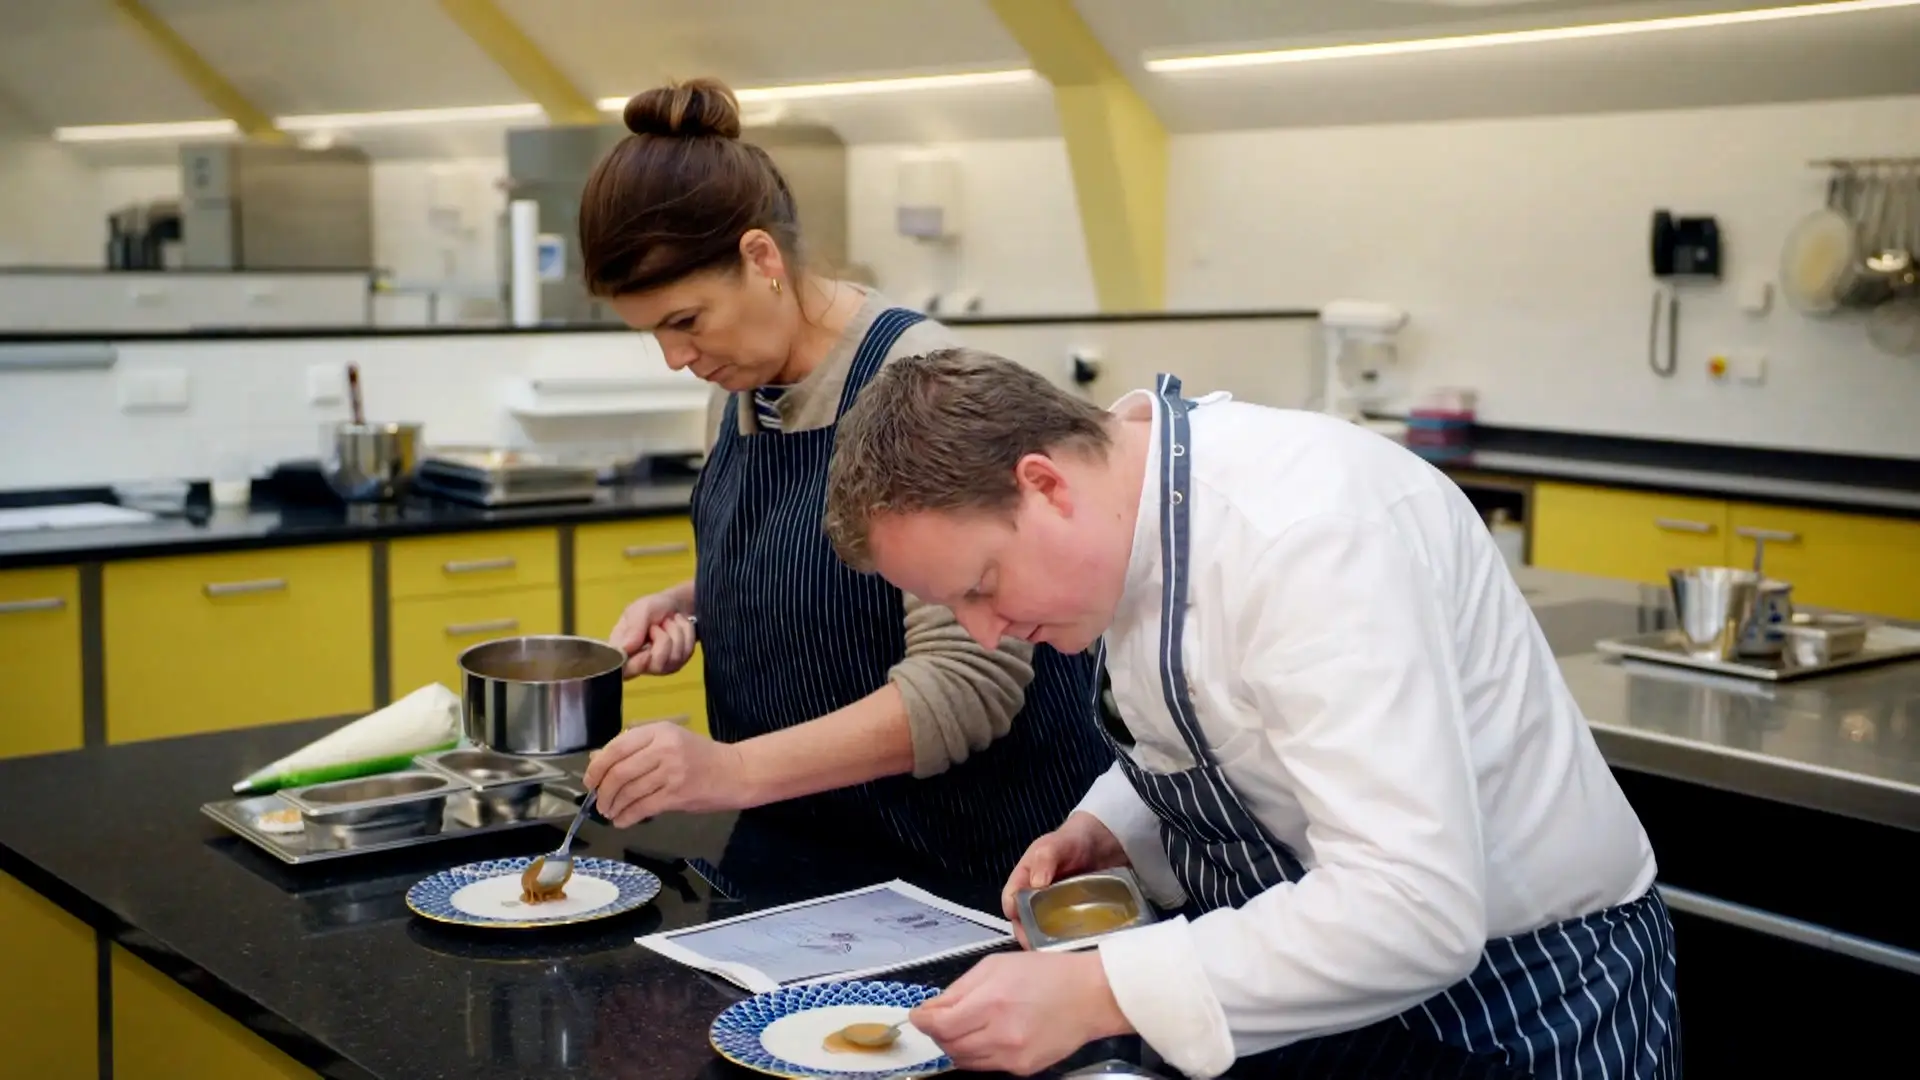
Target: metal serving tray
(1078,912)
(462,816)
(1884,644)
(485,476)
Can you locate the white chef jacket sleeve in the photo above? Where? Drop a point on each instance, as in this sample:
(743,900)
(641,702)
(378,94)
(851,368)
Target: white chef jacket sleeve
(1349,661)
(1113,800)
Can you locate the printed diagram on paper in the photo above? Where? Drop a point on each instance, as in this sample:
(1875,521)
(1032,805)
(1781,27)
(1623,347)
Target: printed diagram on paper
(869,930)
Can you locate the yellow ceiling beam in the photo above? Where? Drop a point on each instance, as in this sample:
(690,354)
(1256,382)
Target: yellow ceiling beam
(536,75)
(192,67)
(1116,145)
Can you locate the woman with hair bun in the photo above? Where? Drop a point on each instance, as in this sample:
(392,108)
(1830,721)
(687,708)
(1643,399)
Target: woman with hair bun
(859,708)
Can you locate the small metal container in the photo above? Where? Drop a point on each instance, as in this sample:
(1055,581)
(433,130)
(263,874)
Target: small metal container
(1813,640)
(1115,1067)
(1714,605)
(505,787)
(544,695)
(1077,912)
(371,462)
(373,809)
(1765,632)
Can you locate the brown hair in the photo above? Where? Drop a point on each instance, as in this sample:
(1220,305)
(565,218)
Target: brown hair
(942,433)
(673,199)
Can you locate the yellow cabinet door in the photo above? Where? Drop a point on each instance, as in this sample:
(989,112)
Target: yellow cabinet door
(40,688)
(203,643)
(653,704)
(52,1025)
(475,562)
(597,606)
(1855,562)
(652,547)
(428,636)
(1634,535)
(163,1031)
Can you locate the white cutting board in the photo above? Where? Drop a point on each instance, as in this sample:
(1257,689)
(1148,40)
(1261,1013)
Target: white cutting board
(75,516)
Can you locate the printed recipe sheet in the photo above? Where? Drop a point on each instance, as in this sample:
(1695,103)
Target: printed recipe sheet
(864,932)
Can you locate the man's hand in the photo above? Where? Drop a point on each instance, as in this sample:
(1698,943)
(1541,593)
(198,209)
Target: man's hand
(1080,846)
(1022,1012)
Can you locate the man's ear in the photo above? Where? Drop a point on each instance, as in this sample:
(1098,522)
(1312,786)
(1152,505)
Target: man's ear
(1038,474)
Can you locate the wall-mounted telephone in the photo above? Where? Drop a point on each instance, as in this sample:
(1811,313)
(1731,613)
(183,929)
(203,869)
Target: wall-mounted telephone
(1685,246)
(1682,247)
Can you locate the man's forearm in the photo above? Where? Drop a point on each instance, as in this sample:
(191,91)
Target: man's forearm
(867,740)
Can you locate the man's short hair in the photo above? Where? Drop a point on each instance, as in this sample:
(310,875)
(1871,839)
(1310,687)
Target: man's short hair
(942,432)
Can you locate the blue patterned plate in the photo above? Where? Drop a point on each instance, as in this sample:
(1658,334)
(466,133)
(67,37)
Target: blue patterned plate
(782,1032)
(488,894)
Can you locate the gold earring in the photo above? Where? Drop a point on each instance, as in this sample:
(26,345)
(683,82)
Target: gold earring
(776,286)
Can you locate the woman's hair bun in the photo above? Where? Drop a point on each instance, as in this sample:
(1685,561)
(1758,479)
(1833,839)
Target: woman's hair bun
(685,110)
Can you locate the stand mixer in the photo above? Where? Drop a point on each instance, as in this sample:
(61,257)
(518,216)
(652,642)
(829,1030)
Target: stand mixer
(1359,342)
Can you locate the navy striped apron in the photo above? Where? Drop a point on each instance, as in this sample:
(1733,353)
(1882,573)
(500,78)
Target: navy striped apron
(1590,997)
(791,633)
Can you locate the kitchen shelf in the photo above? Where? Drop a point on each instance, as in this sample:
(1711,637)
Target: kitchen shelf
(578,396)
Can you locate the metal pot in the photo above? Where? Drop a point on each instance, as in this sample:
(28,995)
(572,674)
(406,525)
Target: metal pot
(371,462)
(542,695)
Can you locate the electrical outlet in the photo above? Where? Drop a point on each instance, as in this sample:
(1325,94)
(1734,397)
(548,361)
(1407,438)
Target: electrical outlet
(154,390)
(326,384)
(1738,366)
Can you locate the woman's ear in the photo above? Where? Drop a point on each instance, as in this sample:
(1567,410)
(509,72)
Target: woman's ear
(761,254)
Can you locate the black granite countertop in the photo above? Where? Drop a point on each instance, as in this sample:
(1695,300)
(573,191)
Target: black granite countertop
(264,333)
(264,526)
(1871,485)
(326,962)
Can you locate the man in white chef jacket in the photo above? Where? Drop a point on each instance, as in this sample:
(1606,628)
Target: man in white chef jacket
(1344,747)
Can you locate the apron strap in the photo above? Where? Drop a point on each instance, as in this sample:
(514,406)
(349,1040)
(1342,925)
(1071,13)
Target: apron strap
(881,337)
(1176,474)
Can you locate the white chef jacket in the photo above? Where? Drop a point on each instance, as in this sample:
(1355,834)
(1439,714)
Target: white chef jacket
(1376,689)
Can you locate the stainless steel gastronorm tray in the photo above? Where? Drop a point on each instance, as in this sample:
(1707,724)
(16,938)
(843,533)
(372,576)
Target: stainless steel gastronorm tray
(1077,912)
(462,817)
(1884,644)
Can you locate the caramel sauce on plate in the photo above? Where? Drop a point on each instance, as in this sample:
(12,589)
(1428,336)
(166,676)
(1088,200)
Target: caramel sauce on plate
(532,892)
(837,1043)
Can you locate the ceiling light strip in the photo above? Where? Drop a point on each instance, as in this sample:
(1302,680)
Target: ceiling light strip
(1309,54)
(337,122)
(184,129)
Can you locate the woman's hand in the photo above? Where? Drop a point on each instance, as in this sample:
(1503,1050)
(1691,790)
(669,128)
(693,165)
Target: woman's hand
(1081,845)
(655,633)
(654,768)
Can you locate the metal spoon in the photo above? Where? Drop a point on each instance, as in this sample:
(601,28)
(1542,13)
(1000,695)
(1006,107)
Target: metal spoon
(872,1036)
(556,868)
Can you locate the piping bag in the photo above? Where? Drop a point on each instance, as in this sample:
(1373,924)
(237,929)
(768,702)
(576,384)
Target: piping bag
(420,723)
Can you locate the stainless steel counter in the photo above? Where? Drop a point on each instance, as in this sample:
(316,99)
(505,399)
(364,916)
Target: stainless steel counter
(1847,743)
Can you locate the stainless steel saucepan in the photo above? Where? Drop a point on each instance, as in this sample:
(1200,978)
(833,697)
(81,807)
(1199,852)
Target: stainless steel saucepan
(542,695)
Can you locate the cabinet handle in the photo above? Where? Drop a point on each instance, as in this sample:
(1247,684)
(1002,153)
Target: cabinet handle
(1771,536)
(235,588)
(19,607)
(472,566)
(641,551)
(487,627)
(1683,525)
